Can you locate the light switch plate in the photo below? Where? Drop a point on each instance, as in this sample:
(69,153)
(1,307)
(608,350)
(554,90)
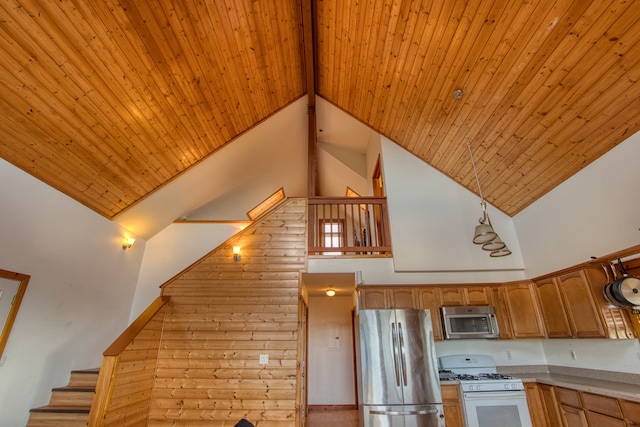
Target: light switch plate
(264,359)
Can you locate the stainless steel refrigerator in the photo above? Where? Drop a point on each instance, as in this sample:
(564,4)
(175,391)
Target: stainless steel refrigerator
(398,381)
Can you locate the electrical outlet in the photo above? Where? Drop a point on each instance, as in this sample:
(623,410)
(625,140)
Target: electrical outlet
(573,355)
(264,359)
(509,355)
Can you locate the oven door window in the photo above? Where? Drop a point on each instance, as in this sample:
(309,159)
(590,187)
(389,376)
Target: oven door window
(496,409)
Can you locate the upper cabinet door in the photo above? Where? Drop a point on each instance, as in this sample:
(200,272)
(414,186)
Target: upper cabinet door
(553,309)
(372,298)
(431,299)
(401,298)
(524,311)
(477,295)
(583,313)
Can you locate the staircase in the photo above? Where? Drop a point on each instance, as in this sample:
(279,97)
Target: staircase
(69,405)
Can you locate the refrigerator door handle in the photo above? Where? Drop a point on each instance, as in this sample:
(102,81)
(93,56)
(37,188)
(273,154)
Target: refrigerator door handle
(418,412)
(402,355)
(394,343)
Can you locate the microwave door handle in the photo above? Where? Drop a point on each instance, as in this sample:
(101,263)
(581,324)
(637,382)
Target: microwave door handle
(394,344)
(494,324)
(402,354)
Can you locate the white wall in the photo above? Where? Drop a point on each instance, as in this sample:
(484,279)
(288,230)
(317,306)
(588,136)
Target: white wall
(171,251)
(606,355)
(79,296)
(330,374)
(593,213)
(432,219)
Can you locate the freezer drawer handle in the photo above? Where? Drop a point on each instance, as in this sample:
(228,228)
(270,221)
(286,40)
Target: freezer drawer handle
(419,412)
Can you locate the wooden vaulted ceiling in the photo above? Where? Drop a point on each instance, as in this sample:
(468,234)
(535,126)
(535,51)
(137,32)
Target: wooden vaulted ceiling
(108,100)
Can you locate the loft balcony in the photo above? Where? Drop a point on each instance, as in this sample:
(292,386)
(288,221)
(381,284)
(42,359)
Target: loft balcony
(349,226)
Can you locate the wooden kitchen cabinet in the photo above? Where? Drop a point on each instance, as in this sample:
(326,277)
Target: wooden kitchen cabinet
(430,297)
(603,411)
(465,295)
(373,298)
(581,307)
(498,299)
(535,404)
(382,297)
(554,312)
(551,408)
(571,407)
(573,305)
(617,322)
(452,405)
(524,310)
(631,412)
(402,298)
(477,295)
(573,417)
(453,295)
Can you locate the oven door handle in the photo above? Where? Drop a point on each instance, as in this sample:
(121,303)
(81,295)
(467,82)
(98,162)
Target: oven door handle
(482,395)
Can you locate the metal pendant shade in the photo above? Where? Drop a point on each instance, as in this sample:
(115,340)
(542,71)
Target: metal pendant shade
(494,245)
(484,233)
(500,253)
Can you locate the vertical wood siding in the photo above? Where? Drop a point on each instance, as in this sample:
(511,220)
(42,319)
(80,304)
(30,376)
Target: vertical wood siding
(221,317)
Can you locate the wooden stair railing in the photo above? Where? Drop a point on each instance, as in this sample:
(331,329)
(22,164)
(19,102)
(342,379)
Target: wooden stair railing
(140,342)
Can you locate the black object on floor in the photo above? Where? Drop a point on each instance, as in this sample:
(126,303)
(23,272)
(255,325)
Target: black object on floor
(244,423)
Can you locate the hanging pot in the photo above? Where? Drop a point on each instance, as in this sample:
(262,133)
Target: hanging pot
(623,291)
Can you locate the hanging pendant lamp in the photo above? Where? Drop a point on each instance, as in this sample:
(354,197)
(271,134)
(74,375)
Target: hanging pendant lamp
(484,233)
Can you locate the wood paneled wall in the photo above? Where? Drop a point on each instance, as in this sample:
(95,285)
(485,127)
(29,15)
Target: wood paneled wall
(129,404)
(222,316)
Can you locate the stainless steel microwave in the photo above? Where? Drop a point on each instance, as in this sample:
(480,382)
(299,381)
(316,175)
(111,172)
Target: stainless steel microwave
(469,322)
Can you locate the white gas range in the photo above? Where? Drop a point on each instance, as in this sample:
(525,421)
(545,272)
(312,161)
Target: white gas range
(488,398)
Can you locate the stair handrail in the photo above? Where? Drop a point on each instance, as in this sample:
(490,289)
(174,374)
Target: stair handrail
(111,358)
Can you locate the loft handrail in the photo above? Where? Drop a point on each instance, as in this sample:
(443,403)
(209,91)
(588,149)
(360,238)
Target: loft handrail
(348,226)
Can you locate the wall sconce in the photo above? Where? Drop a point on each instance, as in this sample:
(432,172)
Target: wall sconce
(236,253)
(128,242)
(330,292)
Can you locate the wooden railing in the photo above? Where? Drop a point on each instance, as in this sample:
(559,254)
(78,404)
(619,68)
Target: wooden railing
(349,226)
(127,371)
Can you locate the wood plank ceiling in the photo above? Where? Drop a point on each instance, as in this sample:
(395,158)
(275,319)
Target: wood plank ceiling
(107,101)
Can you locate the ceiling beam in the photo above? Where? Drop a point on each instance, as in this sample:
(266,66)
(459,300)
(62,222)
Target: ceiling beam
(308,42)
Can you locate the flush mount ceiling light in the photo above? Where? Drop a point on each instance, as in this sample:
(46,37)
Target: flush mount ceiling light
(330,292)
(484,233)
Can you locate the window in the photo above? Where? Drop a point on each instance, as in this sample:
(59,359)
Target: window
(332,235)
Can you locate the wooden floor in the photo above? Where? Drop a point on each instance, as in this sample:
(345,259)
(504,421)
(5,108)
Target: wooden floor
(332,416)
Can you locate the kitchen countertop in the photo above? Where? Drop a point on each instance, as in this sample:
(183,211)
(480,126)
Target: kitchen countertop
(614,384)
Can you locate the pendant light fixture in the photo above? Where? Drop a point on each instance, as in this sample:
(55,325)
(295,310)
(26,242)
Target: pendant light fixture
(484,233)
